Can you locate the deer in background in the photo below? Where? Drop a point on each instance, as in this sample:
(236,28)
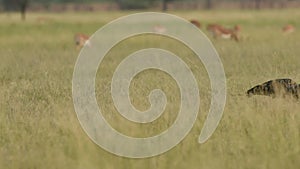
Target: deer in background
(81,40)
(220,31)
(159,29)
(288,29)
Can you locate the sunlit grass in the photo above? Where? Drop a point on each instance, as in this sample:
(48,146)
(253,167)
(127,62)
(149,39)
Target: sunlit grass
(38,124)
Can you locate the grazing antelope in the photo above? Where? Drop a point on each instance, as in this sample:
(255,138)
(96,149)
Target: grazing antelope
(81,40)
(288,29)
(196,23)
(220,31)
(277,87)
(159,29)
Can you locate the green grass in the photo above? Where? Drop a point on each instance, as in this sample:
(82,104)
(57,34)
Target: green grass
(39,127)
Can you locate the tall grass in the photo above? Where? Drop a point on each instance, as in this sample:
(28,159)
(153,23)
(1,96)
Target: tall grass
(38,124)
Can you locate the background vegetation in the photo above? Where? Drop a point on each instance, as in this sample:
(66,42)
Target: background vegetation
(39,128)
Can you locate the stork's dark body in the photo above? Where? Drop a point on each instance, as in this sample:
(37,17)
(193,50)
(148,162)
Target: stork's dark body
(277,87)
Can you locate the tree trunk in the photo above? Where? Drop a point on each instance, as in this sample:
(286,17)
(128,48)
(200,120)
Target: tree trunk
(23,13)
(271,4)
(282,4)
(23,7)
(119,4)
(257,4)
(242,4)
(164,5)
(208,4)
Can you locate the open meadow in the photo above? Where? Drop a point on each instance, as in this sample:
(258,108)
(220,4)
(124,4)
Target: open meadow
(39,127)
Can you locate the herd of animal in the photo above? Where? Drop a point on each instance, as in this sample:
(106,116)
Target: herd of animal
(274,88)
(215,29)
(232,33)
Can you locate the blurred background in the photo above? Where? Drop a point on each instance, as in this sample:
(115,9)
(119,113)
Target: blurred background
(163,5)
(40,40)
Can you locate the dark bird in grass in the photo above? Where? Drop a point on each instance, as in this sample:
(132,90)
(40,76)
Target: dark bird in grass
(276,88)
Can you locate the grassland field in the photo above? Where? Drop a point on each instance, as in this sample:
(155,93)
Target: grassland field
(39,127)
